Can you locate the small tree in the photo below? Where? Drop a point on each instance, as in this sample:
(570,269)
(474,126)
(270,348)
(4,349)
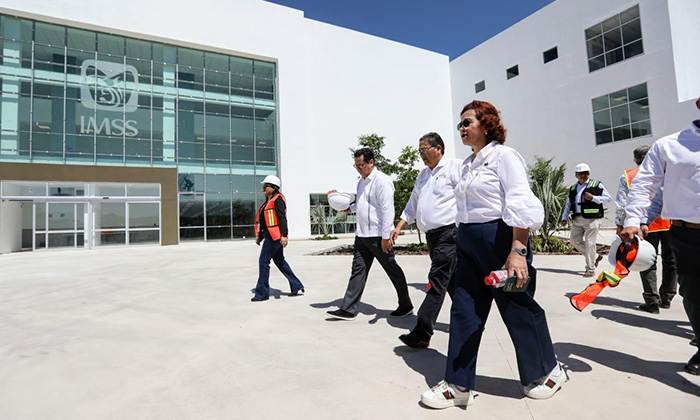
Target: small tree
(547,184)
(323,219)
(376,143)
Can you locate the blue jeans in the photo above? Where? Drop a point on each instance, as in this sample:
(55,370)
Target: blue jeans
(273,250)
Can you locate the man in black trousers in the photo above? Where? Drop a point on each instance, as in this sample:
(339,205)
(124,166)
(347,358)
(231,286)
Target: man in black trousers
(674,161)
(433,207)
(375,220)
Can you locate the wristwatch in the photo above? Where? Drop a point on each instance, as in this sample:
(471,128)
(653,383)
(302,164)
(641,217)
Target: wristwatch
(519,251)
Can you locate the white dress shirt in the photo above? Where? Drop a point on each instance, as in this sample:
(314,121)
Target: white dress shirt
(374,205)
(674,160)
(495,186)
(604,197)
(432,203)
(621,200)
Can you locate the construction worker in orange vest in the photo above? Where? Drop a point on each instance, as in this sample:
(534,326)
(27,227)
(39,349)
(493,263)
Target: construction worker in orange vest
(655,231)
(271,226)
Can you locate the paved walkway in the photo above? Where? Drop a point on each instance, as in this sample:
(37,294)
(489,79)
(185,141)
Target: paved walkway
(170,333)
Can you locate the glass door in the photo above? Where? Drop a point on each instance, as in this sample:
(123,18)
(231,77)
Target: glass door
(59,225)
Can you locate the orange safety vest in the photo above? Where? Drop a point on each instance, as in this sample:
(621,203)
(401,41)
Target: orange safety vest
(271,219)
(657,225)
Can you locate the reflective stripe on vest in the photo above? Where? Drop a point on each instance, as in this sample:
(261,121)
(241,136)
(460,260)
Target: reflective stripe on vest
(658,225)
(271,219)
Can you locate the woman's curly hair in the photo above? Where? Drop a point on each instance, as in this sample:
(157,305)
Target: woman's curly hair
(489,119)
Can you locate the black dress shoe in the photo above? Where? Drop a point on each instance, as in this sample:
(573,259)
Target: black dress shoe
(652,308)
(693,369)
(665,305)
(296,292)
(257,299)
(413,342)
(401,312)
(342,314)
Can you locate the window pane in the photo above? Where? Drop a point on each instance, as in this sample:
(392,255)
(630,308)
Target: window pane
(110,215)
(619,97)
(639,110)
(629,14)
(138,49)
(190,182)
(190,58)
(191,210)
(219,183)
(61,216)
(601,120)
(637,92)
(481,86)
(603,137)
(242,66)
(79,39)
(633,49)
(244,209)
(641,129)
(620,115)
(144,237)
(631,31)
(243,232)
(144,215)
(595,47)
(244,183)
(612,39)
(218,209)
(110,44)
(111,238)
(107,190)
(596,63)
(622,133)
(600,102)
(550,55)
(594,31)
(218,233)
(50,34)
(512,72)
(191,235)
(611,23)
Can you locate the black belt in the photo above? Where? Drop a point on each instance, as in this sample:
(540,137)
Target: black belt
(440,229)
(684,224)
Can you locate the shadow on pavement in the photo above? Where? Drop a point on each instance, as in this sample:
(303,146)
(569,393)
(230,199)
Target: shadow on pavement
(609,301)
(560,271)
(431,364)
(274,293)
(670,327)
(423,287)
(667,373)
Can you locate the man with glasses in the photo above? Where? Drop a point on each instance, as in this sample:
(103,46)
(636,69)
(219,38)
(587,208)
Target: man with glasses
(433,207)
(375,219)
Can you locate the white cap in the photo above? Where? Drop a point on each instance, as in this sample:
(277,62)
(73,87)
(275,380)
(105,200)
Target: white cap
(271,179)
(582,167)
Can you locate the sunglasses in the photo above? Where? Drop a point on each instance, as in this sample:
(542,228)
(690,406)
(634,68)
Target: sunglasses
(463,124)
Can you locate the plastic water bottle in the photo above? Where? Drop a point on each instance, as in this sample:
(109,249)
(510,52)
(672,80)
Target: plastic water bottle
(497,278)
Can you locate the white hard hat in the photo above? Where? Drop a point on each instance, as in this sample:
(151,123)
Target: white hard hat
(271,179)
(339,200)
(582,167)
(644,259)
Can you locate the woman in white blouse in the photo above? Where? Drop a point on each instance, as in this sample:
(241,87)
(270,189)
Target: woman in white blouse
(496,211)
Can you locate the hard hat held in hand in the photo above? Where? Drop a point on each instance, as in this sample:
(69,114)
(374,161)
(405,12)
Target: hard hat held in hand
(636,255)
(340,201)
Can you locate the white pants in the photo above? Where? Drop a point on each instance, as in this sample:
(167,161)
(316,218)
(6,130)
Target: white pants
(584,233)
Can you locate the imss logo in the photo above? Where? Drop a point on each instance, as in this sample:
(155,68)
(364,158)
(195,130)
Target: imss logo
(107,86)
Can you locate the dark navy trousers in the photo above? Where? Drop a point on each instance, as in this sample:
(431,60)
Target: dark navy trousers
(273,250)
(482,248)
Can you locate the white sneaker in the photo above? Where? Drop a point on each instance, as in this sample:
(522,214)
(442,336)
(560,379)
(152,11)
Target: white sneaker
(546,386)
(444,395)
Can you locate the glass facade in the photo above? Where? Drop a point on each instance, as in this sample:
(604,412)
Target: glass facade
(72,96)
(622,115)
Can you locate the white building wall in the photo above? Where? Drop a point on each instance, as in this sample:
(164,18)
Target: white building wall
(334,84)
(547,108)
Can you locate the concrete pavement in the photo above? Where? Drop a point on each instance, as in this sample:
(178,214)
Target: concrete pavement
(170,333)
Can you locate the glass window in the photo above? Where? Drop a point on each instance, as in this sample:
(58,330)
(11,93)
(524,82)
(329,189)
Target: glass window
(244,209)
(79,39)
(622,115)
(218,209)
(110,215)
(144,215)
(143,190)
(110,45)
(480,86)
(550,55)
(512,72)
(191,210)
(50,34)
(614,40)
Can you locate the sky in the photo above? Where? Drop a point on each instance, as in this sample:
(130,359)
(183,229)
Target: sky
(450,27)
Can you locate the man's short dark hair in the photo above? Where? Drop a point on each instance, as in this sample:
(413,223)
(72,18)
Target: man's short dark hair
(640,152)
(434,140)
(366,153)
